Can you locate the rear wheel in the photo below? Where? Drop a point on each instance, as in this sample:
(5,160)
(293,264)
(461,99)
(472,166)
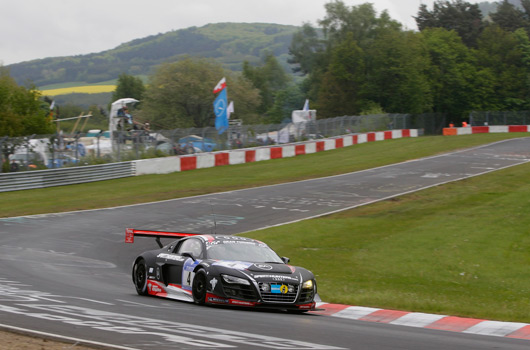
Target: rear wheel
(199,287)
(140,277)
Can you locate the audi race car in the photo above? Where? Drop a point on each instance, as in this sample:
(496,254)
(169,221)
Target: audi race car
(221,270)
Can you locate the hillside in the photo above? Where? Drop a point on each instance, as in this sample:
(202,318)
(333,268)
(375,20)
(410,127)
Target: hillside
(228,43)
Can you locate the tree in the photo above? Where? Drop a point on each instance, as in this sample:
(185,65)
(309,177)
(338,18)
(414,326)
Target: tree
(396,73)
(179,94)
(306,49)
(129,86)
(501,57)
(509,17)
(458,15)
(340,91)
(360,21)
(269,78)
(21,111)
(451,74)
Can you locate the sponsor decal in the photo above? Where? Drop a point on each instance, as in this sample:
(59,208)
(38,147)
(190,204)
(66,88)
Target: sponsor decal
(263,266)
(279,289)
(277,277)
(173,257)
(217,300)
(213,282)
(241,302)
(129,235)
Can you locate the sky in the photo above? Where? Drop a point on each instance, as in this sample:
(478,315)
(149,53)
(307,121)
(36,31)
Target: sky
(35,29)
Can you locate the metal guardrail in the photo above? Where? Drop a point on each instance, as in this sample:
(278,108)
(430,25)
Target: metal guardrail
(65,176)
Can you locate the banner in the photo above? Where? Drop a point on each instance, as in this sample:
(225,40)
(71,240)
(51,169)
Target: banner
(219,108)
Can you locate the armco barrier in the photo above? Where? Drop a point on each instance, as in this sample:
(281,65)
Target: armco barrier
(65,176)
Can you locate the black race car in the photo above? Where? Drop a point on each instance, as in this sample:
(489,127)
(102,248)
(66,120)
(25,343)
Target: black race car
(225,270)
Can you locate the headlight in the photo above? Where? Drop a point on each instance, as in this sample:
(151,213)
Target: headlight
(235,280)
(308,284)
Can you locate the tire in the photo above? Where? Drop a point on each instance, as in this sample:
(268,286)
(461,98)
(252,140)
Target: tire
(140,277)
(198,287)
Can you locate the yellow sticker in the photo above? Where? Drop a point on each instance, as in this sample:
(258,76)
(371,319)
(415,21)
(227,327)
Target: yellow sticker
(284,289)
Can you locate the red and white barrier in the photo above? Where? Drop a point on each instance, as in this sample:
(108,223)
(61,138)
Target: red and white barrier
(468,130)
(240,156)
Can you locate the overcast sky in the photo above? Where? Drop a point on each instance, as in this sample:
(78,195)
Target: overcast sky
(33,29)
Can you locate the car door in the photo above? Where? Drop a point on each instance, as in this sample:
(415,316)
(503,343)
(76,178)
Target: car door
(177,266)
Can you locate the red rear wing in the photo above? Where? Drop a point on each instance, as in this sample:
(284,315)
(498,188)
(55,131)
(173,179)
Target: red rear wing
(131,232)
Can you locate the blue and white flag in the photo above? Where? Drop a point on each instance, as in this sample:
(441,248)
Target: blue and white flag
(219,108)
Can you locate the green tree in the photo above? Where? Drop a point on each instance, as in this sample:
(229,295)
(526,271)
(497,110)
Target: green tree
(340,91)
(21,111)
(306,49)
(179,95)
(509,17)
(501,59)
(129,86)
(461,16)
(451,73)
(268,78)
(396,80)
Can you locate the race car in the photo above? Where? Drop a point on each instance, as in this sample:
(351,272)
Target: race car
(221,270)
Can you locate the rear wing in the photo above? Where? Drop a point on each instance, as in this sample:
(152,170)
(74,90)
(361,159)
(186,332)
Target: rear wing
(131,232)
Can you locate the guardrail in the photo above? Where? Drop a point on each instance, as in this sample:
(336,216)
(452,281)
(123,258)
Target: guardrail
(65,176)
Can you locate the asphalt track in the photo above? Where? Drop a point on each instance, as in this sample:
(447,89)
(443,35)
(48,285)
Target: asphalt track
(69,274)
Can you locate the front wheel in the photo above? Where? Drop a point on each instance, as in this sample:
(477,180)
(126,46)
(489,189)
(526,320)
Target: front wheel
(140,277)
(198,287)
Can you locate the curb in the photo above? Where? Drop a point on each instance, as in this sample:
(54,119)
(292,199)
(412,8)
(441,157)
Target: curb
(514,330)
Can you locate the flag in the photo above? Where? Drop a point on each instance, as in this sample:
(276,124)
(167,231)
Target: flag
(306,105)
(230,109)
(220,110)
(220,86)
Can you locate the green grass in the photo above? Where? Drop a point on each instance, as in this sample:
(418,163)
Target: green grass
(458,249)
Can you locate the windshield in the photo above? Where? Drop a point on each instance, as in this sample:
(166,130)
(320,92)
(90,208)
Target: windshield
(243,251)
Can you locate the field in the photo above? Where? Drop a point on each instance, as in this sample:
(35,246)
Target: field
(87,89)
(458,249)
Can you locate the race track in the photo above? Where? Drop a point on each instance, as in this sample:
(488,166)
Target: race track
(69,274)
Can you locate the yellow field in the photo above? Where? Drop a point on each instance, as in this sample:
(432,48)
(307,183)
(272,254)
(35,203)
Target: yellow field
(88,89)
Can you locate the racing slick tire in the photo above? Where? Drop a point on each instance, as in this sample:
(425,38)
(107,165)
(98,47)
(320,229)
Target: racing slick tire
(198,287)
(140,277)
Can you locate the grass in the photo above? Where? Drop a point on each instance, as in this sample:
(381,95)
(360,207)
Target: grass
(458,249)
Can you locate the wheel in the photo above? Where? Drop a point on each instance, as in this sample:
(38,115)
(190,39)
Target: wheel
(198,287)
(140,277)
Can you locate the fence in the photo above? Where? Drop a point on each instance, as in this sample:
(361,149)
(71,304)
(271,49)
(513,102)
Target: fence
(499,118)
(57,151)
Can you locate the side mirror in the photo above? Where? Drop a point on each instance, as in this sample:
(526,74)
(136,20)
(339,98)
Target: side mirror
(285,260)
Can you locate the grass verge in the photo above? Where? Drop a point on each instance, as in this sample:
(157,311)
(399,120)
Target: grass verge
(458,249)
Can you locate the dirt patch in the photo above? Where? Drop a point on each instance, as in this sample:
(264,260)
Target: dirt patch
(15,341)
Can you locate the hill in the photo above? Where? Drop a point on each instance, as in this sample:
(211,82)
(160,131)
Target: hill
(228,43)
